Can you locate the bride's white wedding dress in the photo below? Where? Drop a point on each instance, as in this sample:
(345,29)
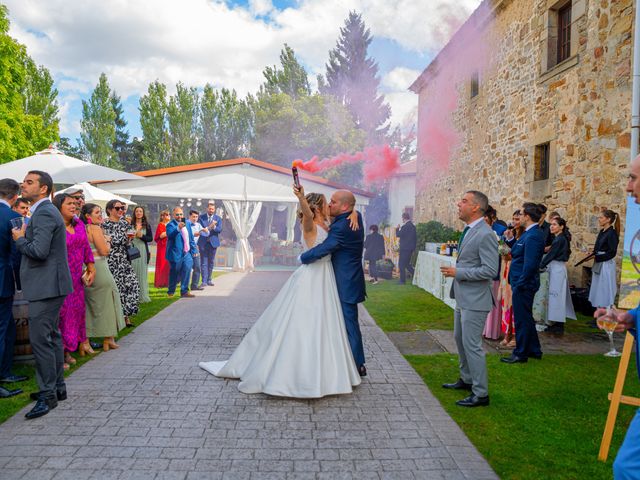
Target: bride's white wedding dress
(298,347)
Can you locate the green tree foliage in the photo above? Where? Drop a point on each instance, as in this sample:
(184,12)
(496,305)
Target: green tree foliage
(287,128)
(28,122)
(98,132)
(153,122)
(121,141)
(75,151)
(182,121)
(352,78)
(291,79)
(224,125)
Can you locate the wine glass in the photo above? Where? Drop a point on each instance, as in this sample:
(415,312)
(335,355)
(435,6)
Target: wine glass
(131,233)
(608,323)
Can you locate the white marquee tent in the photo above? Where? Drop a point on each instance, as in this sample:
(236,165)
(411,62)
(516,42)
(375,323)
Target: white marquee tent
(244,185)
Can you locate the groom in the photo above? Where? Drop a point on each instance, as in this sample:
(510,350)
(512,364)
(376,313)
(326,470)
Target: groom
(345,246)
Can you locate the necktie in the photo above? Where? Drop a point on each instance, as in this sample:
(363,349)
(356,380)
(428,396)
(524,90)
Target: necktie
(464,232)
(185,240)
(210,219)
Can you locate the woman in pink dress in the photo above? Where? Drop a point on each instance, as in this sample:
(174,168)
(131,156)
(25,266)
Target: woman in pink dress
(72,314)
(161,278)
(508,323)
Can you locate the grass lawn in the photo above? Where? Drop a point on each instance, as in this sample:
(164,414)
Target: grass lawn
(407,308)
(9,406)
(546,418)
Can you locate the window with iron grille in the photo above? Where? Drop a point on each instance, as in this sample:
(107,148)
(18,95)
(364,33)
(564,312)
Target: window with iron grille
(564,33)
(541,162)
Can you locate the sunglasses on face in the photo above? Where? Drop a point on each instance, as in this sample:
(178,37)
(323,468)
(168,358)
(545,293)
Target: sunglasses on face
(120,208)
(77,197)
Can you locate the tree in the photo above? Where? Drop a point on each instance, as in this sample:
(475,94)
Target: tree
(76,151)
(352,78)
(291,79)
(225,125)
(40,98)
(22,132)
(121,142)
(182,121)
(132,158)
(98,132)
(153,122)
(288,128)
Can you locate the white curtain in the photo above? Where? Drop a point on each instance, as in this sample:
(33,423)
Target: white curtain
(292,211)
(268,220)
(243,216)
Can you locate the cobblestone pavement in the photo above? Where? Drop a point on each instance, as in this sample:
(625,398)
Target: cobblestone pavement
(146,411)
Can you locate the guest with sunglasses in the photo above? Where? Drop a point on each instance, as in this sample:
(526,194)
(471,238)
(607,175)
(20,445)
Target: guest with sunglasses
(116,227)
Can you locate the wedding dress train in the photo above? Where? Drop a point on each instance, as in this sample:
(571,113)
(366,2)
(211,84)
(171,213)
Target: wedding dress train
(298,347)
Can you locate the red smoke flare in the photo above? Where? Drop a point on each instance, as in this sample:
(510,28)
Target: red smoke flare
(380,162)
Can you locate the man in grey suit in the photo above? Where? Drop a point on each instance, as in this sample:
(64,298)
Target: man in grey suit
(476,266)
(46,281)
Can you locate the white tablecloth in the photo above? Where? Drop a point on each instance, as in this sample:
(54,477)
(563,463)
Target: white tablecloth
(428,277)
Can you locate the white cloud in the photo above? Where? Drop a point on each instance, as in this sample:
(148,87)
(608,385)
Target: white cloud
(208,41)
(400,78)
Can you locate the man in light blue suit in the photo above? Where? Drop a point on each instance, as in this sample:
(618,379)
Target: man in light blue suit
(180,250)
(627,463)
(208,245)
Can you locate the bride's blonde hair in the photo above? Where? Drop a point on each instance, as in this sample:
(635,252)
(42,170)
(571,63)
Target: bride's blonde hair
(316,202)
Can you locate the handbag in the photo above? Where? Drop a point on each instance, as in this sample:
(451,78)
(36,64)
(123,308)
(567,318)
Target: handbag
(133,253)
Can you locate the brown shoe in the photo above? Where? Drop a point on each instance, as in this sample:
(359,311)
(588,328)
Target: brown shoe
(188,295)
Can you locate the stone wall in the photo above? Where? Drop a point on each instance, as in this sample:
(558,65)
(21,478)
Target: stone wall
(581,106)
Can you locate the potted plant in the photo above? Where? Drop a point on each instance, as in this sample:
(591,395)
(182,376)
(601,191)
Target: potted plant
(385,268)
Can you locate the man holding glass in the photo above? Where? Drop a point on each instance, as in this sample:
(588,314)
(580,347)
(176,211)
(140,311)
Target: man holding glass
(9,219)
(627,463)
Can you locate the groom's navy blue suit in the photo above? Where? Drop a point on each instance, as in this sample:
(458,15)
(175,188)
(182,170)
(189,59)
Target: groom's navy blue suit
(345,246)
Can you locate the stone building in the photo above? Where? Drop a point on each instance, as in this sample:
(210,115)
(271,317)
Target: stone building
(545,119)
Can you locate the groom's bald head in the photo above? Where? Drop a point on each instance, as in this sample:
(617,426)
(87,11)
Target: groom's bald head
(342,201)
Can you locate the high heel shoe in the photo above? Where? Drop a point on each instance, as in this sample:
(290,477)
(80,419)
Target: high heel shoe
(83,350)
(87,347)
(109,344)
(69,359)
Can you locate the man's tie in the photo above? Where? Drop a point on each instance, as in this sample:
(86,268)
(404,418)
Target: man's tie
(464,232)
(210,219)
(185,239)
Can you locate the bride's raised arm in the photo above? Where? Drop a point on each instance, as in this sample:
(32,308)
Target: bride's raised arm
(307,214)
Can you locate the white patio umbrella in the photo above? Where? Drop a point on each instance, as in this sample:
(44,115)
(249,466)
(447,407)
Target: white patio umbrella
(62,168)
(96,195)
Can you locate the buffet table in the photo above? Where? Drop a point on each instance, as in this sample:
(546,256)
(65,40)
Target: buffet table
(428,277)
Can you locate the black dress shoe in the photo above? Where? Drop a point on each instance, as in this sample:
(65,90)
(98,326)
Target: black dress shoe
(537,357)
(42,407)
(459,385)
(514,359)
(14,379)
(6,393)
(60,395)
(96,345)
(197,288)
(473,401)
(362,370)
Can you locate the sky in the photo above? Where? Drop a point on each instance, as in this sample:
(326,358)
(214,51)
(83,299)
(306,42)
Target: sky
(224,43)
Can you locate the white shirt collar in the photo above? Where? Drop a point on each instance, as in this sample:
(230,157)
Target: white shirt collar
(530,227)
(35,205)
(475,222)
(5,203)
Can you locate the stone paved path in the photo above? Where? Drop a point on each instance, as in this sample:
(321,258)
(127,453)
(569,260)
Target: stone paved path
(146,411)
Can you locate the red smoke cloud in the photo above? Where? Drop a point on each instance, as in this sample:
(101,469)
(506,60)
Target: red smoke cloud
(467,54)
(380,162)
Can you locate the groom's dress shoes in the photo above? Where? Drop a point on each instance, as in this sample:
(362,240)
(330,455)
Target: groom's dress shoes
(473,401)
(459,385)
(514,359)
(42,407)
(6,393)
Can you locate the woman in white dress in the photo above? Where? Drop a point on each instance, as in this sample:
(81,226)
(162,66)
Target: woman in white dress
(298,347)
(603,280)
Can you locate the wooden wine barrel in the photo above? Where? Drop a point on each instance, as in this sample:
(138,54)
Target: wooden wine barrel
(22,350)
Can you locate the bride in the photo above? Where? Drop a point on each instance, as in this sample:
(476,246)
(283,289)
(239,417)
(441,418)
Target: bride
(298,347)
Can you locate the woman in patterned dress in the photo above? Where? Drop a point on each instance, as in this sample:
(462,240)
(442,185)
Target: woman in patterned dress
(116,227)
(72,314)
(508,325)
(161,278)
